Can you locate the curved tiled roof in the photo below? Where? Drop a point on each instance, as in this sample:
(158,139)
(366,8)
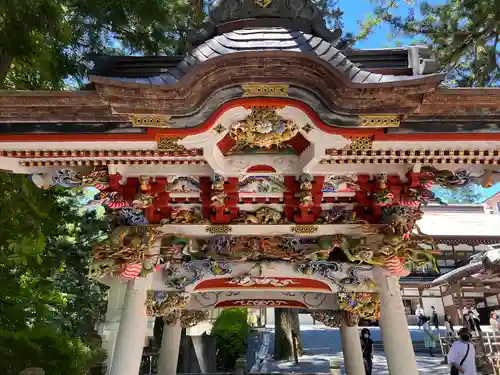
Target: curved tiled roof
(270,39)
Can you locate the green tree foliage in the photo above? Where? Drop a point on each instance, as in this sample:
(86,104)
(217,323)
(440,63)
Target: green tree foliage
(463,34)
(45,246)
(56,353)
(231,332)
(42,42)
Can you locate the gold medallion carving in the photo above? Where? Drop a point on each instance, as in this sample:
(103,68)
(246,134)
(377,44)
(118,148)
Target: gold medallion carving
(359,144)
(256,89)
(380,121)
(263,128)
(149,121)
(169,143)
(262,3)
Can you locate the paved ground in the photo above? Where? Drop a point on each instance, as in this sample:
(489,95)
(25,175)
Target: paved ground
(322,344)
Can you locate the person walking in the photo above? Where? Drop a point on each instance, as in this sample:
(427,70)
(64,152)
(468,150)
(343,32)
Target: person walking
(462,355)
(367,348)
(435,319)
(419,312)
(473,323)
(429,335)
(450,331)
(495,326)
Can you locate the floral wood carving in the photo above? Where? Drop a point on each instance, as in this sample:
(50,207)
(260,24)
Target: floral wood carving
(263,128)
(364,305)
(164,303)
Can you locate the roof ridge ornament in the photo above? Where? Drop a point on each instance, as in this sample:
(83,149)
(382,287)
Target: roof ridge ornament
(226,15)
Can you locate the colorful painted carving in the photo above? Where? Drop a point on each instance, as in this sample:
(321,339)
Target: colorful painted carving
(305,194)
(182,215)
(111,199)
(413,249)
(259,282)
(263,303)
(125,246)
(337,215)
(400,218)
(263,128)
(142,201)
(384,196)
(163,303)
(225,247)
(364,305)
(127,216)
(197,269)
(190,318)
(262,184)
(445,178)
(218,197)
(145,183)
(331,319)
(263,215)
(98,178)
(183,184)
(177,248)
(66,178)
(340,183)
(248,280)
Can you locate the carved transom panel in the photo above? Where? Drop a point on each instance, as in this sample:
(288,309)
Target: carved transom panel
(263,128)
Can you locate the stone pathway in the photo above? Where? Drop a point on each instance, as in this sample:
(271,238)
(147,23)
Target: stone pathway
(322,344)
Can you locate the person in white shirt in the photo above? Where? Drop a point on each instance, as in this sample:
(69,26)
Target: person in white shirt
(419,312)
(462,354)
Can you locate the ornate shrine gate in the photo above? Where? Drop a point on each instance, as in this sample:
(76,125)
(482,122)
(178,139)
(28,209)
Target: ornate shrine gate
(265,168)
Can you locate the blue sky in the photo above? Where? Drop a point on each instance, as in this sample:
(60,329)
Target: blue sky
(356,10)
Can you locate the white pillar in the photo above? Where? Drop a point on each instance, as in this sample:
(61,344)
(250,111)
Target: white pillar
(398,346)
(109,328)
(169,349)
(133,327)
(351,349)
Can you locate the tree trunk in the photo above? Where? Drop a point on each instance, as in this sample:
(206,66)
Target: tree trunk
(5,62)
(286,323)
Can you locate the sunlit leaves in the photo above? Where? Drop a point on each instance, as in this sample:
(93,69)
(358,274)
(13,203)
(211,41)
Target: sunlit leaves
(463,34)
(48,43)
(45,246)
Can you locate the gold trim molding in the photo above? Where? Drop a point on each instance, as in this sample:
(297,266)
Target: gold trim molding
(218,229)
(262,3)
(149,121)
(304,229)
(169,143)
(380,121)
(359,143)
(257,89)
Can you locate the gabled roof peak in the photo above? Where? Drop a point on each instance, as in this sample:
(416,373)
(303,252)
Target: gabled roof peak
(300,15)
